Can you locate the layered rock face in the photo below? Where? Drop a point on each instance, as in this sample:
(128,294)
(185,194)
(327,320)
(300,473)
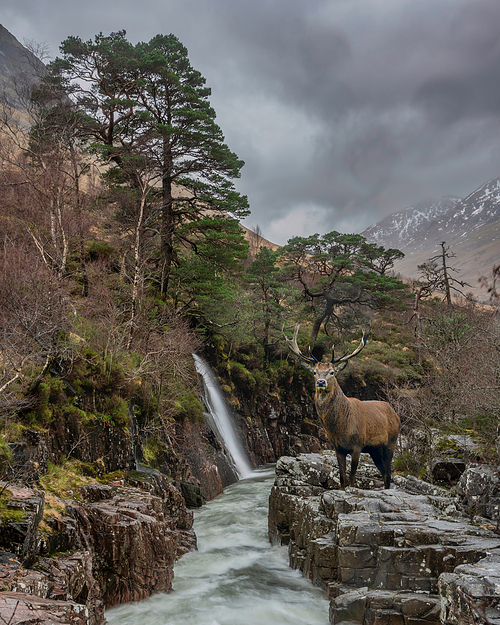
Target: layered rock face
(123,542)
(400,556)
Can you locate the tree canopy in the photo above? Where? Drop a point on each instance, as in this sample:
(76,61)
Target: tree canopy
(146,111)
(340,270)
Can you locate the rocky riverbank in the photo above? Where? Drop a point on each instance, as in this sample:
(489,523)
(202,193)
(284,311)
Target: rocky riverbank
(65,560)
(414,554)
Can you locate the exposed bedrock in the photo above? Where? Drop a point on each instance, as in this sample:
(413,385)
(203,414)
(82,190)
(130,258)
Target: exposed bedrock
(120,544)
(400,556)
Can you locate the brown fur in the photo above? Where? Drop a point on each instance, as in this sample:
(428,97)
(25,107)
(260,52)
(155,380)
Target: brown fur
(355,426)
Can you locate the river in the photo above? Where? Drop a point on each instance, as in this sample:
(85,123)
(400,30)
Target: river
(236,577)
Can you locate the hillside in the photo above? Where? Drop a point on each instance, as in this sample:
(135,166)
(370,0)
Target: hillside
(470,226)
(17,65)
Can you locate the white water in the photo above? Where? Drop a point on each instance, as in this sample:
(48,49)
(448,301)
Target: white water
(235,577)
(222,420)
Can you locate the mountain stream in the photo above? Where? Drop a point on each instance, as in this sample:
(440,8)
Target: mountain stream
(236,577)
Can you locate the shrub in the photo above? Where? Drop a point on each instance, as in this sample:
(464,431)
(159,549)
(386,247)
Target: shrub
(189,407)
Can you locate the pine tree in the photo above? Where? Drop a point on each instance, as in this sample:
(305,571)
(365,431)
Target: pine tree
(147,98)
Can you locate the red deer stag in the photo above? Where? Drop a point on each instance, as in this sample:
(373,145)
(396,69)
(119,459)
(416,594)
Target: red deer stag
(352,426)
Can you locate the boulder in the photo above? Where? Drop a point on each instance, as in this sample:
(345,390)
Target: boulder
(479,488)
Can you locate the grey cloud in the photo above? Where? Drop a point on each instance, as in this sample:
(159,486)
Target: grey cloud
(353,109)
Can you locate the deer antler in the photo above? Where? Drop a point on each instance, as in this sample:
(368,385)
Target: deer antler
(345,357)
(307,361)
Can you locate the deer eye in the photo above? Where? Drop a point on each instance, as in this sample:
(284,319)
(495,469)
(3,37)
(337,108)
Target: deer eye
(332,372)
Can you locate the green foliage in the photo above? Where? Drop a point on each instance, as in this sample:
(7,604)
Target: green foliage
(116,409)
(406,463)
(50,392)
(150,450)
(272,298)
(8,514)
(99,250)
(150,121)
(65,479)
(189,407)
(339,274)
(5,454)
(241,377)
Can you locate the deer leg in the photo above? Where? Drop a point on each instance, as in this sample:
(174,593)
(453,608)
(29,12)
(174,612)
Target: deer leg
(387,457)
(354,465)
(378,458)
(341,459)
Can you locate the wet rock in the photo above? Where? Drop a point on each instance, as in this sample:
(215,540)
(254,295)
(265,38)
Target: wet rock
(193,495)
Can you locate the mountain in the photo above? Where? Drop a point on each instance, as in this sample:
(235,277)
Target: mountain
(18,69)
(402,230)
(469,226)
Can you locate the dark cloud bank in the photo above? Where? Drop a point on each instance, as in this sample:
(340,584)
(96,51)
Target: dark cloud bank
(344,110)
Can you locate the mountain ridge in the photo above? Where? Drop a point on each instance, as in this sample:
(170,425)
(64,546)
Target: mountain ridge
(469,226)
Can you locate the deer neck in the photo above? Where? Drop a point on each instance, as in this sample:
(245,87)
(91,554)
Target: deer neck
(332,406)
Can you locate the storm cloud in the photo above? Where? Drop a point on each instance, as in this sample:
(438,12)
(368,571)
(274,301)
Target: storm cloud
(343,110)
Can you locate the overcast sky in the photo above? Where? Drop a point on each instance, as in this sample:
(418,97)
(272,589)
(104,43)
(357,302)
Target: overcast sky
(344,111)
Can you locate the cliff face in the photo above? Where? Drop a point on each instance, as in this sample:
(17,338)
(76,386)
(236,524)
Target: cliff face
(123,542)
(124,536)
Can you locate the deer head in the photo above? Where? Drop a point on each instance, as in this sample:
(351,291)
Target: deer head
(324,372)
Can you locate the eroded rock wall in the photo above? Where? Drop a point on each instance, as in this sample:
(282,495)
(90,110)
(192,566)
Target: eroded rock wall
(123,543)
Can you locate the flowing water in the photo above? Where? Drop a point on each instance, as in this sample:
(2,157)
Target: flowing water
(236,577)
(220,420)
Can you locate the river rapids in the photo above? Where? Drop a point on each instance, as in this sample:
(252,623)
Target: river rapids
(236,577)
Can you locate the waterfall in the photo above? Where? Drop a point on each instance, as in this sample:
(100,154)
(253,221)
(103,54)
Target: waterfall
(221,420)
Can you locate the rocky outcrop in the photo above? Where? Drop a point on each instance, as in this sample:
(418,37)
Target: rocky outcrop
(399,556)
(21,609)
(275,429)
(123,541)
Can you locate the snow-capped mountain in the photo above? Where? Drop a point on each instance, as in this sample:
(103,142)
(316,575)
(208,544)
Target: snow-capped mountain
(403,230)
(469,226)
(480,208)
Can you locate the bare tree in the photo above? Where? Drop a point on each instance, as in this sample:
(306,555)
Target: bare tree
(42,160)
(33,318)
(437,274)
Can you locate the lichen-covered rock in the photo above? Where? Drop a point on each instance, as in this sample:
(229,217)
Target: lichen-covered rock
(479,488)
